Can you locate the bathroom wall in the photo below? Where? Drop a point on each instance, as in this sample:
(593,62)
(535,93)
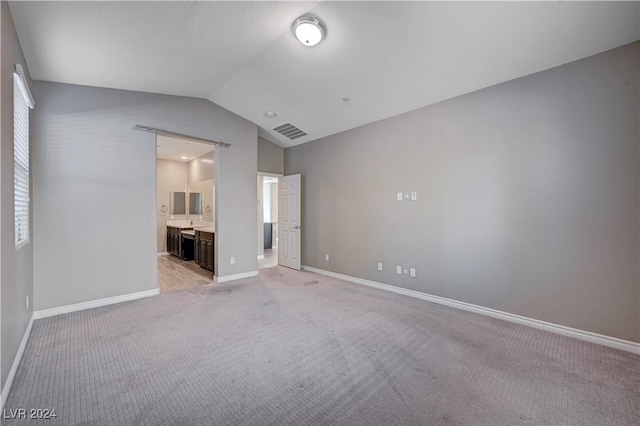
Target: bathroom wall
(172,177)
(201,172)
(202,168)
(207,188)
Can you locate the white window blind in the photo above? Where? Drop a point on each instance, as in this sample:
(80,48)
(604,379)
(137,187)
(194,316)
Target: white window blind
(22,101)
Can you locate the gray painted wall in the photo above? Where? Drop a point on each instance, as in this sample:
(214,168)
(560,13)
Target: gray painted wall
(527,197)
(171,177)
(95,186)
(270,157)
(235,207)
(16,276)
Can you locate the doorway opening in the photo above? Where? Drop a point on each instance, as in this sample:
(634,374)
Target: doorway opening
(267,220)
(185,212)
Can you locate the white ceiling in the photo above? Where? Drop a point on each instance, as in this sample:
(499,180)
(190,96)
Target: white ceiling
(172,148)
(387,57)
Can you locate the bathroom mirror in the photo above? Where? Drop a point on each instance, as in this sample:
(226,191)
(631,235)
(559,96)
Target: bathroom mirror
(206,189)
(178,202)
(195,203)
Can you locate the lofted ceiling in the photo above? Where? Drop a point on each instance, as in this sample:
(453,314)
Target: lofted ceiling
(385,57)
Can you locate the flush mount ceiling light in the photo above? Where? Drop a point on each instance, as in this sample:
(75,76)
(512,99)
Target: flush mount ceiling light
(309,30)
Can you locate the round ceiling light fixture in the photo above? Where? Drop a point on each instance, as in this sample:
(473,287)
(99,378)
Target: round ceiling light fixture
(309,30)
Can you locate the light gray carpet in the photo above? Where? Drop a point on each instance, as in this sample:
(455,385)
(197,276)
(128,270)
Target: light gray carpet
(293,347)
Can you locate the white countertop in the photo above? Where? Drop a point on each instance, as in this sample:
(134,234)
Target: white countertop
(187,224)
(179,224)
(210,229)
(202,223)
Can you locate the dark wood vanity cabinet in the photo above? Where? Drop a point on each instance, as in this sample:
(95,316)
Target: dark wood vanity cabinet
(204,247)
(198,248)
(178,245)
(173,240)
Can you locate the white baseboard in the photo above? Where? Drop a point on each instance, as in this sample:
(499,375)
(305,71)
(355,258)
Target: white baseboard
(588,336)
(163,253)
(235,277)
(94,303)
(14,367)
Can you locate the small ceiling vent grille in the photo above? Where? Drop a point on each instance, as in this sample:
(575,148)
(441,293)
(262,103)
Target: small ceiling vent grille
(290,131)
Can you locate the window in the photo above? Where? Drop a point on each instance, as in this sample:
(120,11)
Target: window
(22,101)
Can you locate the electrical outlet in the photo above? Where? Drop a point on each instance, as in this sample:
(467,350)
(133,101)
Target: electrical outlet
(399,270)
(406,195)
(412,272)
(232,260)
(326,257)
(27,302)
(406,271)
(379,266)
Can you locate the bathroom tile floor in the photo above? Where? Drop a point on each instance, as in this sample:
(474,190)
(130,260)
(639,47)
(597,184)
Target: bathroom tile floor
(177,274)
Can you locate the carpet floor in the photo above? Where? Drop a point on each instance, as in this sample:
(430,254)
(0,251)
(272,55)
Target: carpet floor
(291,347)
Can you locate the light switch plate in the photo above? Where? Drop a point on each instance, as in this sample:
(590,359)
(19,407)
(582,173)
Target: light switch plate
(399,270)
(379,266)
(326,257)
(414,196)
(412,272)
(399,196)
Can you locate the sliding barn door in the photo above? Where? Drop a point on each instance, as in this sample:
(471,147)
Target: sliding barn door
(289,221)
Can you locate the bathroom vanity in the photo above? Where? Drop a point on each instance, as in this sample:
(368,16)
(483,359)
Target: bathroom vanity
(180,244)
(189,242)
(204,248)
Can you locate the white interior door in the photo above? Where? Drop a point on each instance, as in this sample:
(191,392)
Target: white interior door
(289,221)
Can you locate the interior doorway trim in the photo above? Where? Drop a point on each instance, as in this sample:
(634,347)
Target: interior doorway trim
(261,255)
(276,175)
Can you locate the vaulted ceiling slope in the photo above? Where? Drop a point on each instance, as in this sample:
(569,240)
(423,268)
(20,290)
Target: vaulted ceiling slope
(386,57)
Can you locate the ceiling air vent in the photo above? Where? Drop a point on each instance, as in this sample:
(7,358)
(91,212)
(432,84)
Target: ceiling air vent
(290,131)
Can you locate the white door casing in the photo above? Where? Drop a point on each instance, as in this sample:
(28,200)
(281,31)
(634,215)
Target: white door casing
(289,226)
